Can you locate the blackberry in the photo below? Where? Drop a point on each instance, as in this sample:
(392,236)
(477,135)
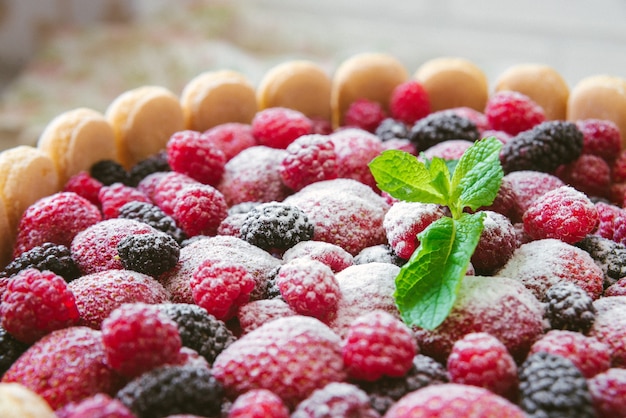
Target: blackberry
(56,258)
(542,148)
(151,254)
(109,172)
(391,128)
(568,307)
(386,391)
(154,216)
(199,330)
(441,126)
(608,254)
(271,288)
(382,253)
(154,164)
(276,225)
(10,350)
(551,386)
(170,390)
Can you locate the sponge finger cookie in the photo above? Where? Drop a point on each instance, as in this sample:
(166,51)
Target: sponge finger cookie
(7,236)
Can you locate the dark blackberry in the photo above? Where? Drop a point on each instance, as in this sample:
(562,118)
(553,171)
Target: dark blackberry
(386,391)
(542,148)
(391,128)
(154,164)
(551,386)
(271,290)
(109,172)
(171,390)
(151,254)
(56,258)
(441,126)
(10,350)
(199,330)
(568,307)
(155,217)
(381,253)
(276,225)
(608,254)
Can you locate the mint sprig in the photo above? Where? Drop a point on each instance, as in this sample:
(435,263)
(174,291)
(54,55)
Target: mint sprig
(428,284)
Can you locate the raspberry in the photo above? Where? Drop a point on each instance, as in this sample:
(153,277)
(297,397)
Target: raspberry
(332,255)
(36,303)
(153,216)
(608,391)
(619,228)
(100,404)
(139,337)
(454,400)
(57,219)
(277,354)
(190,153)
(309,158)
(10,350)
(451,149)
(164,188)
(610,327)
(258,403)
(98,294)
(85,186)
(221,287)
(480,359)
(256,313)
(157,163)
(113,197)
(568,307)
(497,243)
(151,254)
(409,102)
(528,185)
(277,127)
(309,287)
(542,148)
(616,289)
(108,172)
(199,209)
(499,135)
(587,353)
(231,225)
(618,167)
(47,256)
(381,253)
(231,138)
(355,148)
(606,219)
(600,137)
(440,126)
(378,344)
(391,129)
(364,114)
(336,399)
(513,112)
(588,173)
(552,386)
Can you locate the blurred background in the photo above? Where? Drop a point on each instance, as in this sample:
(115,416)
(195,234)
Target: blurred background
(56,55)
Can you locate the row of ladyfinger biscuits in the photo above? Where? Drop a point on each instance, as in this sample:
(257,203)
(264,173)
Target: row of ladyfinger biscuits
(139,122)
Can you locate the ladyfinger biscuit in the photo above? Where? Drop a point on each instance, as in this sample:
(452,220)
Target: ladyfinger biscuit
(17,401)
(7,236)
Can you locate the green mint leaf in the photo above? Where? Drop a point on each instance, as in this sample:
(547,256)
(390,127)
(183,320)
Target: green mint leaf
(428,284)
(440,176)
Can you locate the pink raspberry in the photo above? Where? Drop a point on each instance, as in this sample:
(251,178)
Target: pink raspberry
(610,327)
(231,224)
(409,102)
(231,138)
(616,289)
(355,148)
(480,359)
(85,186)
(321,126)
(148,184)
(332,255)
(451,149)
(608,392)
(308,159)
(256,313)
(619,228)
(364,114)
(336,399)
(258,403)
(506,202)
(618,167)
(401,144)
(277,127)
(98,405)
(497,243)
(607,213)
(513,112)
(199,209)
(190,153)
(36,303)
(588,173)
(500,135)
(166,188)
(113,197)
(529,185)
(600,137)
(221,287)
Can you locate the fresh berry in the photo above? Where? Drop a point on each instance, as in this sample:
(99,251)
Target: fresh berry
(608,254)
(231,138)
(190,153)
(109,172)
(113,197)
(47,256)
(355,148)
(162,188)
(199,209)
(608,391)
(10,350)
(308,159)
(36,303)
(277,127)
(528,185)
(256,313)
(258,403)
(336,399)
(98,405)
(391,129)
(138,337)
(381,253)
(409,102)
(610,327)
(321,125)
(600,137)
(499,135)
(552,386)
(513,112)
(152,215)
(364,114)
(588,173)
(157,163)
(332,255)
(440,126)
(497,243)
(607,213)
(152,254)
(451,149)
(85,186)
(479,118)
(618,167)
(568,307)
(616,289)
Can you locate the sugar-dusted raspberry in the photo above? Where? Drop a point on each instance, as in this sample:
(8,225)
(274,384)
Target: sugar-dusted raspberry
(610,327)
(221,287)
(364,114)
(231,225)
(409,102)
(400,144)
(451,149)
(164,187)
(616,289)
(35,303)
(499,135)
(199,209)
(113,197)
(478,117)
(607,213)
(506,202)
(568,307)
(10,350)
(153,216)
(588,173)
(497,243)
(601,137)
(190,153)
(258,403)
(608,392)
(336,399)
(378,344)
(563,213)
(64,366)
(381,253)
(231,138)
(157,163)
(85,186)
(404,220)
(454,400)
(56,258)
(528,185)
(480,359)
(290,349)
(321,125)
(152,254)
(256,313)
(441,126)
(309,158)
(100,404)
(56,218)
(391,129)
(277,127)
(513,112)
(617,194)
(355,148)
(98,294)
(332,255)
(619,228)
(618,167)
(108,172)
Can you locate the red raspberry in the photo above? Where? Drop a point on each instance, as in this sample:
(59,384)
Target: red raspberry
(608,391)
(336,399)
(231,138)
(277,127)
(258,403)
(588,173)
(364,114)
(256,313)
(480,359)
(190,153)
(309,158)
(332,255)
(453,400)
(513,112)
(500,135)
(150,182)
(451,149)
(529,185)
(587,353)
(231,224)
(400,144)
(506,202)
(378,344)
(355,148)
(607,213)
(98,405)
(409,102)
(600,137)
(279,353)
(221,287)
(199,209)
(36,303)
(610,327)
(309,287)
(497,243)
(65,366)
(616,289)
(85,186)
(98,294)
(619,228)
(321,126)
(618,167)
(166,187)
(57,219)
(113,197)
(563,213)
